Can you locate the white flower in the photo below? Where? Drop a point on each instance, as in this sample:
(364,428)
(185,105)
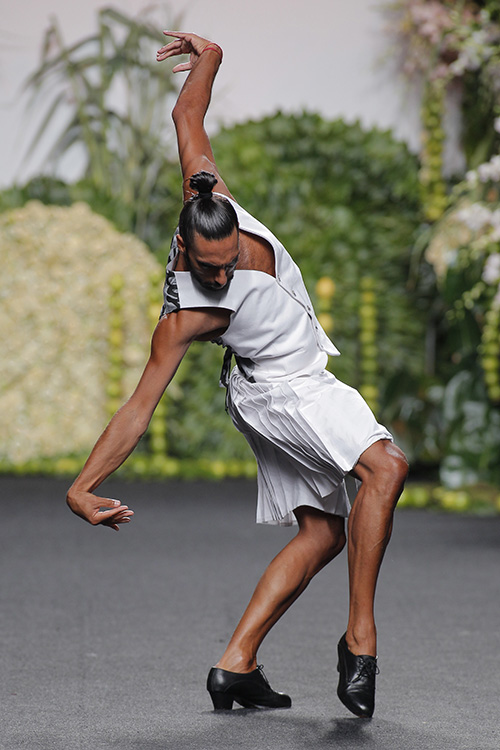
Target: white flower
(490,170)
(459,66)
(475,216)
(496,298)
(484,172)
(491,270)
(495,219)
(471,177)
(57,264)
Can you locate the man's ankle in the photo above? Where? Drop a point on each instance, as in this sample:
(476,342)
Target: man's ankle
(362,641)
(236,664)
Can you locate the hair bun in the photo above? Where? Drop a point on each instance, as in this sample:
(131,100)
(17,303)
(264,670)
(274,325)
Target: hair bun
(203,183)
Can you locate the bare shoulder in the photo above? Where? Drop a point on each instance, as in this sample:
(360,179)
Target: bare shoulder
(256,254)
(187,325)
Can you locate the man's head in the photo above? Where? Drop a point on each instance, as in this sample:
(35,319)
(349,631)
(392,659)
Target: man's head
(208,234)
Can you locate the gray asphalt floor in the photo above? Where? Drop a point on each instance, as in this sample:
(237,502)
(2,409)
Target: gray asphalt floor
(107,638)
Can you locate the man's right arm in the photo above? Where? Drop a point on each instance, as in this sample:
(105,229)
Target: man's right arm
(195,151)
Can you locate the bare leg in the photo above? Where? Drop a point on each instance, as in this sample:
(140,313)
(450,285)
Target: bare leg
(320,538)
(383,470)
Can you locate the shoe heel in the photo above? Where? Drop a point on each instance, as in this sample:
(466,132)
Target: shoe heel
(221,701)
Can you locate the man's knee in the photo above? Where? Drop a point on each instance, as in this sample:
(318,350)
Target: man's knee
(337,544)
(396,464)
(325,532)
(328,547)
(383,463)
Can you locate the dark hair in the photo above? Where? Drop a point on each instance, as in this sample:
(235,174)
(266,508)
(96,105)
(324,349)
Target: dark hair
(210,215)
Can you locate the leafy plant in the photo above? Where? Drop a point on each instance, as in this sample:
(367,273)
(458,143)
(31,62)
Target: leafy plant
(344,201)
(119,101)
(441,44)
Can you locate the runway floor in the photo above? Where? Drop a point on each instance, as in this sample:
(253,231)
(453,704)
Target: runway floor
(107,638)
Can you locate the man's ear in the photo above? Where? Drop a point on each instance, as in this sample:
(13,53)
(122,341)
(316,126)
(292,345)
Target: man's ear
(180,244)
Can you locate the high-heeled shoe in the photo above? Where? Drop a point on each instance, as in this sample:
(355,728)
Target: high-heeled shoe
(249,689)
(356,687)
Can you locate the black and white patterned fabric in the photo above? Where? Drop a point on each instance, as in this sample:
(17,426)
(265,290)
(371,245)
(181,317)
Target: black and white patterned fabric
(171,301)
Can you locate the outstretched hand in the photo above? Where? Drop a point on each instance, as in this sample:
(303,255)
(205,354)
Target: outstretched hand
(98,510)
(183,44)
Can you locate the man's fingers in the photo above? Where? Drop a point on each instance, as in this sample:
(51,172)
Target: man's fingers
(164,53)
(160,56)
(184,43)
(181,43)
(113,516)
(182,67)
(121,512)
(171,46)
(113,521)
(178,34)
(99,510)
(107,503)
(123,517)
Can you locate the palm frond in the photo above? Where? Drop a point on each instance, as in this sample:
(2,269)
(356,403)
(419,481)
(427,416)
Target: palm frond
(41,130)
(123,141)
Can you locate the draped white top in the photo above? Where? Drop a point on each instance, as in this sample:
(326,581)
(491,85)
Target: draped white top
(273,329)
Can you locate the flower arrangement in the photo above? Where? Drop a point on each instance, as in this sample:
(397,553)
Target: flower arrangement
(62,270)
(445,42)
(466,243)
(444,38)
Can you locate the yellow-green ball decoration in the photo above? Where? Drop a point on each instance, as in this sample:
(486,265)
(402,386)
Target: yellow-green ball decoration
(368,326)
(114,387)
(325,291)
(490,353)
(157,432)
(432,185)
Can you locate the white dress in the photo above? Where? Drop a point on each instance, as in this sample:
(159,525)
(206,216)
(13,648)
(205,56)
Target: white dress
(306,428)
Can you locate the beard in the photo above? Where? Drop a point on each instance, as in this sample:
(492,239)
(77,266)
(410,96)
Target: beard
(212,286)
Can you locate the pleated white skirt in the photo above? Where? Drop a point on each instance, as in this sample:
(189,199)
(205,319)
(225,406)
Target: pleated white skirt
(306,433)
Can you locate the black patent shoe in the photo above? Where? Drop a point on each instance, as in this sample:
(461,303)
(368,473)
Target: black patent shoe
(249,689)
(356,687)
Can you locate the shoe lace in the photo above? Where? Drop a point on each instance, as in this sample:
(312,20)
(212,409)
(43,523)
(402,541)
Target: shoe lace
(260,667)
(368,667)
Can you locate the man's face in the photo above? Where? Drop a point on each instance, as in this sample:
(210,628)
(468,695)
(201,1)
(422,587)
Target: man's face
(212,262)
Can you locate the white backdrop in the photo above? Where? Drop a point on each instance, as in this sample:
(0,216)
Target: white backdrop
(322,55)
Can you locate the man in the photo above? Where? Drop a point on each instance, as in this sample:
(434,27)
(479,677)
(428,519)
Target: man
(229,280)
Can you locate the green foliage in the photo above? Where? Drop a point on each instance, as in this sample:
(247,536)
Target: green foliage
(47,190)
(197,421)
(344,201)
(119,101)
(165,204)
(472,434)
(480,107)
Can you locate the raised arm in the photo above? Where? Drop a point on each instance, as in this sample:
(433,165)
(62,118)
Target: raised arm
(171,340)
(195,151)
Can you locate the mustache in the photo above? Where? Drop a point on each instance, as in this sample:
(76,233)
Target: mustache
(214,285)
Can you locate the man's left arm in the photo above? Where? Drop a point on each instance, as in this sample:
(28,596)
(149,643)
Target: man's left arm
(171,340)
